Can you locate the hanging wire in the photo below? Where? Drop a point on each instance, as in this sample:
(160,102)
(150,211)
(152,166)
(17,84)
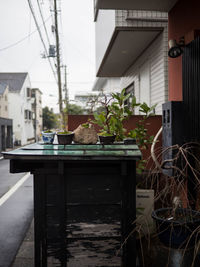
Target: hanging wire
(24,38)
(41,37)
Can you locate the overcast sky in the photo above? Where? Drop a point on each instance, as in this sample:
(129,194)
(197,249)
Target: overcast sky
(21,47)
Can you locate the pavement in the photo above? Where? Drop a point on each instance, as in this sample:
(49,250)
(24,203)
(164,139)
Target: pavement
(25,254)
(159,256)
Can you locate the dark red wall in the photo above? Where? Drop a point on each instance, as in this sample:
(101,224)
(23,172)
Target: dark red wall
(153,125)
(183,18)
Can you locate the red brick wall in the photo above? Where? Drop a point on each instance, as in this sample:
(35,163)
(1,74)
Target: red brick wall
(153,125)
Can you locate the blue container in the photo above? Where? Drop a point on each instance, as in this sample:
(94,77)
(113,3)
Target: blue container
(48,138)
(180,232)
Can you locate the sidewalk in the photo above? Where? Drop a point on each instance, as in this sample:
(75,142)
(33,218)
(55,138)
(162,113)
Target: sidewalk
(160,255)
(25,255)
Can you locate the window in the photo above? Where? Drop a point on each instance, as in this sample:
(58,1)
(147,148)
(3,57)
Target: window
(28,92)
(6,108)
(26,114)
(29,115)
(130,90)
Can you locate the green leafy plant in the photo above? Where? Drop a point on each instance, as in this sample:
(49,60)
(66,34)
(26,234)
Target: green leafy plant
(105,119)
(115,112)
(48,131)
(140,133)
(64,132)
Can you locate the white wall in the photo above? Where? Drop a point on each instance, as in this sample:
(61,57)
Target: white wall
(4,104)
(104,28)
(18,103)
(154,59)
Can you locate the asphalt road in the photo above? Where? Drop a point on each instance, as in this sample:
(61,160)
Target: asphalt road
(16,211)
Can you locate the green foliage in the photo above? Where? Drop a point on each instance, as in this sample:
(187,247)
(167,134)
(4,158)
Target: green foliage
(64,132)
(115,112)
(73,109)
(49,119)
(140,133)
(85,125)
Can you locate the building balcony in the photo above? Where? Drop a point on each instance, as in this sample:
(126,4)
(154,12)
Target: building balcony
(156,5)
(122,36)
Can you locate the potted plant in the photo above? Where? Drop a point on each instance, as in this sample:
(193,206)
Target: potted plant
(111,119)
(48,136)
(178,221)
(65,137)
(105,121)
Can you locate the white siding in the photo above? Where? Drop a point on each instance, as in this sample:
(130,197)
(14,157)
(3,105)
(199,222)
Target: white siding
(155,57)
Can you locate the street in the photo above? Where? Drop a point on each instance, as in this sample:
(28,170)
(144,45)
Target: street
(16,211)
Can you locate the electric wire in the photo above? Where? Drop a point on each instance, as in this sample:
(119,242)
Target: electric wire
(24,38)
(40,34)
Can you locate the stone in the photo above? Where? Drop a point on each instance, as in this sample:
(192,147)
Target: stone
(85,134)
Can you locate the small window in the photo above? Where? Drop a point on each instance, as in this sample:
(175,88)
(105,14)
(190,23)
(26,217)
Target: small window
(6,108)
(28,92)
(130,90)
(29,115)
(26,114)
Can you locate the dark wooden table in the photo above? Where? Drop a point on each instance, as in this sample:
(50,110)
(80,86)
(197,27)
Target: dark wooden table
(84,202)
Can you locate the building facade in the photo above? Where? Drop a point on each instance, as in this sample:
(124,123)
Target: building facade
(19,106)
(36,96)
(131,51)
(3,100)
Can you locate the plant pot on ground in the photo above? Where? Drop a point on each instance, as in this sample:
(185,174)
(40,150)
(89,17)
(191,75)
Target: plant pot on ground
(65,137)
(48,137)
(177,229)
(178,221)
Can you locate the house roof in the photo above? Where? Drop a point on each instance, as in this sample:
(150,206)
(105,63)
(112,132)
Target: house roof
(2,88)
(14,80)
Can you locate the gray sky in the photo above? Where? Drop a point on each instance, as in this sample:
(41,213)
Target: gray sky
(76,29)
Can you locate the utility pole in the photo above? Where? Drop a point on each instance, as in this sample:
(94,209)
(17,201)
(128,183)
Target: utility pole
(66,98)
(66,89)
(58,63)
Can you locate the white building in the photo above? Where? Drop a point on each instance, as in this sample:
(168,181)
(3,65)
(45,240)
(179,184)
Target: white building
(3,100)
(131,50)
(19,106)
(36,95)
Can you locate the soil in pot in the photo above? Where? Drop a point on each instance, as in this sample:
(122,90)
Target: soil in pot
(177,229)
(107,140)
(65,138)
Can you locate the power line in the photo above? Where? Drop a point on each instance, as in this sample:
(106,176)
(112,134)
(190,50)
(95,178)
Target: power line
(40,34)
(24,38)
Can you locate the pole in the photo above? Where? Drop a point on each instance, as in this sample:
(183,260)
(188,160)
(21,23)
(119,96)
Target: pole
(66,98)
(58,63)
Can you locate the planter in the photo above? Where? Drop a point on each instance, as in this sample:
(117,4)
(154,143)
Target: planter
(48,137)
(106,140)
(65,139)
(130,141)
(178,232)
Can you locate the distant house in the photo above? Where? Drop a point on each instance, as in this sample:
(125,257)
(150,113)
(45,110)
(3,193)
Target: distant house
(131,51)
(36,95)
(19,106)
(3,100)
